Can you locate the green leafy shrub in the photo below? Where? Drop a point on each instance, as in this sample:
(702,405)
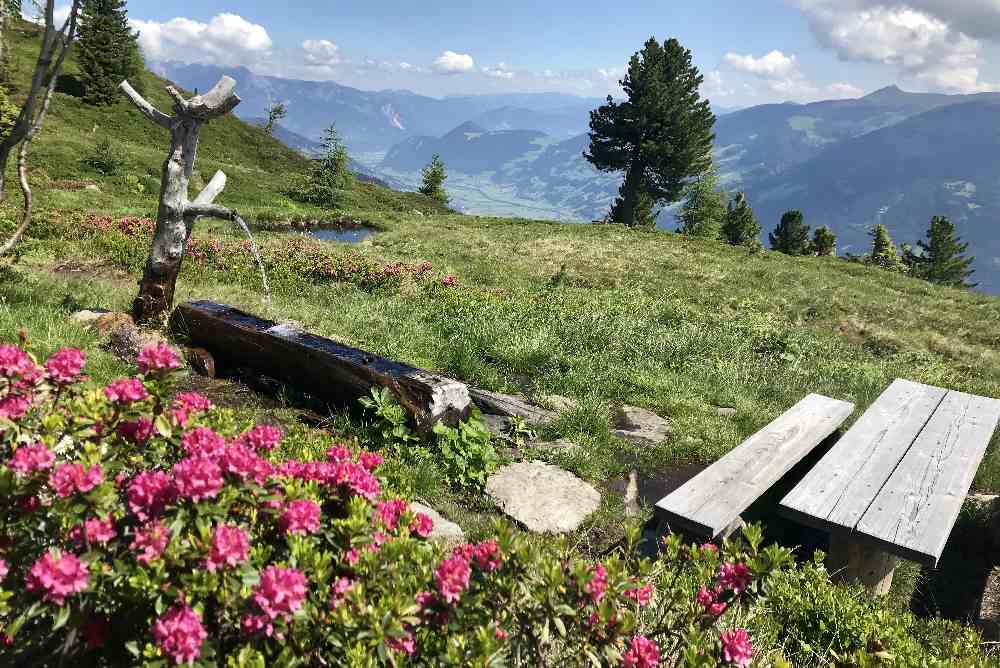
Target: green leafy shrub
(329,176)
(134,184)
(466,452)
(140,530)
(106,158)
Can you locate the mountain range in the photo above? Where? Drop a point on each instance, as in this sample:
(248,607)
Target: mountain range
(891,157)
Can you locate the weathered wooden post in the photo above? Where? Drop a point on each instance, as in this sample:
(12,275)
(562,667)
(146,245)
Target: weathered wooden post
(176,215)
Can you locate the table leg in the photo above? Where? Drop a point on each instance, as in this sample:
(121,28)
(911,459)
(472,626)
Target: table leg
(851,561)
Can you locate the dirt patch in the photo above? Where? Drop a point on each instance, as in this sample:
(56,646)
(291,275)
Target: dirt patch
(101,271)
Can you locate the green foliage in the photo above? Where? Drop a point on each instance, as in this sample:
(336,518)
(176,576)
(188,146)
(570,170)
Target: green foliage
(740,227)
(883,253)
(391,420)
(275,113)
(705,210)
(824,242)
(329,176)
(660,136)
(791,236)
(134,184)
(466,453)
(106,158)
(434,176)
(8,112)
(108,50)
(942,257)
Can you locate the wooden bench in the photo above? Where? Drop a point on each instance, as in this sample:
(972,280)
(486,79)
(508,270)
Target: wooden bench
(709,505)
(894,484)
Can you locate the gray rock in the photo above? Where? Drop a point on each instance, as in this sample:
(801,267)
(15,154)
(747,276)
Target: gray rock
(93,187)
(444,530)
(641,426)
(86,317)
(557,402)
(498,425)
(989,607)
(726,411)
(543,497)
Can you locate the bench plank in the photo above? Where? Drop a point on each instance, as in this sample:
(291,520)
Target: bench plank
(835,494)
(915,511)
(712,500)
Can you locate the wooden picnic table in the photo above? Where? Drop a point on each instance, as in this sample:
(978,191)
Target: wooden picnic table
(894,484)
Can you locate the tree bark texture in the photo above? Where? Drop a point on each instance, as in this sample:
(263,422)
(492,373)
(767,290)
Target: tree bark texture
(176,215)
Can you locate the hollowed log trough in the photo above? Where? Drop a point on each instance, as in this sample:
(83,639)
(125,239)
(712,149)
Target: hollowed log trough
(325,369)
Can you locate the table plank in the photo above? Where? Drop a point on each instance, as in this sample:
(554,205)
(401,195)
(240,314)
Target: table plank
(839,489)
(709,503)
(914,513)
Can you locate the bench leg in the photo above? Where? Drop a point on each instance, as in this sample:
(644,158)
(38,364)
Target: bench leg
(850,561)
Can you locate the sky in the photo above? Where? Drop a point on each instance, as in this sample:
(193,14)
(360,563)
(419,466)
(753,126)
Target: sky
(749,51)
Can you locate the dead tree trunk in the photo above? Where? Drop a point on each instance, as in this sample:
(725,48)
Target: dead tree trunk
(176,215)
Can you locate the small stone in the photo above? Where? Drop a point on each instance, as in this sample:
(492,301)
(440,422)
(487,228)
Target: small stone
(109,322)
(201,361)
(86,318)
(557,402)
(726,411)
(444,530)
(93,187)
(641,426)
(126,340)
(418,213)
(543,497)
(498,425)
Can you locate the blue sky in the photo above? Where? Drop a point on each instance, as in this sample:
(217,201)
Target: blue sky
(750,51)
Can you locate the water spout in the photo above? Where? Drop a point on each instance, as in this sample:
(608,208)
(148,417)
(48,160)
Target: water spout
(256,253)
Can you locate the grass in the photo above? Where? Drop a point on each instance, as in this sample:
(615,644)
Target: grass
(605,315)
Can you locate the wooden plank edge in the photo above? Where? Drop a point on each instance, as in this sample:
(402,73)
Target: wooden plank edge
(684,524)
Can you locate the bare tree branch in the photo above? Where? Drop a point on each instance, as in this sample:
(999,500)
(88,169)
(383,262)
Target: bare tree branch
(216,102)
(210,210)
(212,190)
(147,109)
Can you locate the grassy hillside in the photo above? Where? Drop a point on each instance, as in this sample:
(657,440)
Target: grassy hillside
(601,314)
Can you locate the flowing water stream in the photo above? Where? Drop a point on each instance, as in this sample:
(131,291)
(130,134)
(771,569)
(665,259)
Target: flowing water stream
(256,253)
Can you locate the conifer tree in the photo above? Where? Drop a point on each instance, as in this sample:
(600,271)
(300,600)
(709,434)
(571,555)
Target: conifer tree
(740,227)
(883,251)
(791,236)
(660,136)
(824,241)
(108,51)
(942,258)
(434,176)
(705,209)
(275,113)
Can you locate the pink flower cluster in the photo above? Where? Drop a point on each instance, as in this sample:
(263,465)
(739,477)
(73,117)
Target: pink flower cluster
(422,525)
(736,647)
(203,442)
(29,459)
(14,406)
(15,363)
(734,576)
(388,513)
(65,366)
(241,461)
(179,634)
(158,358)
(280,593)
(641,595)
(150,541)
(94,531)
(262,437)
(197,478)
(597,586)
(149,493)
(300,517)
(487,555)
(230,546)
(187,404)
(126,390)
(136,431)
(349,475)
(449,281)
(452,577)
(339,590)
(71,478)
(56,576)
(709,600)
(642,653)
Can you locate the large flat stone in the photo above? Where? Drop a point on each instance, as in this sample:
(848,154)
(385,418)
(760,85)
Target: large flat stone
(641,426)
(444,530)
(543,497)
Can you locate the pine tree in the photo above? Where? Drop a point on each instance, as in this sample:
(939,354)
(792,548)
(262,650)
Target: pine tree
(660,136)
(434,176)
(275,113)
(791,236)
(824,241)
(705,209)
(942,258)
(740,227)
(329,176)
(883,251)
(108,51)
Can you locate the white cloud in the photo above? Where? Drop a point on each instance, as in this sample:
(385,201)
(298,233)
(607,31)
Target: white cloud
(228,39)
(501,71)
(844,91)
(773,64)
(450,62)
(321,53)
(932,43)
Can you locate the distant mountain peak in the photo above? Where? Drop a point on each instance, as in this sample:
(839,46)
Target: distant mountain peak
(886,93)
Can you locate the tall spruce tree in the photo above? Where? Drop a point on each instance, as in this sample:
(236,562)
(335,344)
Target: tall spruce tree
(740,227)
(824,241)
(942,257)
(791,236)
(660,136)
(883,251)
(108,51)
(705,208)
(434,175)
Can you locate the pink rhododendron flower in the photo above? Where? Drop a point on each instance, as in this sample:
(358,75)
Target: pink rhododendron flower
(94,531)
(126,390)
(14,407)
(642,653)
(449,281)
(150,541)
(389,512)
(405,645)
(188,403)
(160,357)
(240,460)
(149,493)
(70,478)
(179,634)
(197,478)
(709,548)
(370,460)
(487,555)
(66,365)
(230,546)
(280,592)
(452,578)
(57,576)
(352,556)
(598,584)
(28,459)
(300,517)
(136,431)
(339,453)
(338,590)
(422,525)
(734,576)
(256,624)
(736,647)
(4,569)
(262,437)
(709,600)
(641,595)
(203,442)
(14,362)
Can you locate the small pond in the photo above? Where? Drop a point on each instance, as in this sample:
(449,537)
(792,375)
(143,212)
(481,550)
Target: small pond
(353,235)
